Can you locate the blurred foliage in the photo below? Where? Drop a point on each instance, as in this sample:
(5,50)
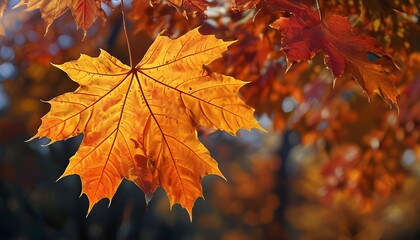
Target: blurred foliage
(334,165)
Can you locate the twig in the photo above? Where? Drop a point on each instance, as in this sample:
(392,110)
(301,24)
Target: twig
(126,34)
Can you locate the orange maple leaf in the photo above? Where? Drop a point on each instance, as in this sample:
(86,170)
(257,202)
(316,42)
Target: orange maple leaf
(85,12)
(140,122)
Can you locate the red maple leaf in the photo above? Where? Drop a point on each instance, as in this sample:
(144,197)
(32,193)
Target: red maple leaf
(305,34)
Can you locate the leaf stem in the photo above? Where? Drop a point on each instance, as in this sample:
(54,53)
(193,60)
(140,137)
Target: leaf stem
(319,9)
(126,34)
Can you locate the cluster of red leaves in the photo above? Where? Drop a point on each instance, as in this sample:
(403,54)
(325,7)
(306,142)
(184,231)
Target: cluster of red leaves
(155,18)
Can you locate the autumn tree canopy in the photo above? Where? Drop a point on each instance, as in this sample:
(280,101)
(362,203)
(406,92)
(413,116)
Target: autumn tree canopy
(151,79)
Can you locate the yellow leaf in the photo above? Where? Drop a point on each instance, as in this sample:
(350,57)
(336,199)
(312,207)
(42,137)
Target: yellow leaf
(140,123)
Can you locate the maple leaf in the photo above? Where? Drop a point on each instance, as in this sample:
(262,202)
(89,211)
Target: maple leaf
(85,12)
(140,123)
(304,35)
